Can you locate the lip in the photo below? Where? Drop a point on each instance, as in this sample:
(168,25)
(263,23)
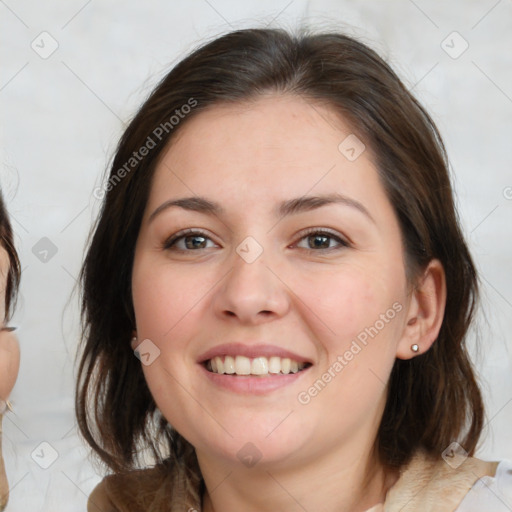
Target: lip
(248,384)
(251,351)
(252,385)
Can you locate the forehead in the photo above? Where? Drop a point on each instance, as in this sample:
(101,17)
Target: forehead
(276,146)
(268,128)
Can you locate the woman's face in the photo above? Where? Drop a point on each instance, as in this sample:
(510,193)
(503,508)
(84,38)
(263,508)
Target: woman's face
(281,252)
(9,349)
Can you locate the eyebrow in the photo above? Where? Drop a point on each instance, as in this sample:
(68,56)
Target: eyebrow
(289,207)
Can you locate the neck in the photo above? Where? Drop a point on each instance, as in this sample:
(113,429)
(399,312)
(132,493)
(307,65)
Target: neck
(341,482)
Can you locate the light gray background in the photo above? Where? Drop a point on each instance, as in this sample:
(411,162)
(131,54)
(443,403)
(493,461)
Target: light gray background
(62,116)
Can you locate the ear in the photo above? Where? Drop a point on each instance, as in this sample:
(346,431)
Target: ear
(425,312)
(134,341)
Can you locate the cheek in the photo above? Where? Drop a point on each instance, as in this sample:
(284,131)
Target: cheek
(357,321)
(169,303)
(167,306)
(343,302)
(165,298)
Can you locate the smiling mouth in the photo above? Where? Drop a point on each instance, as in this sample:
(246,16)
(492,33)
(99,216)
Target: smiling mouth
(257,366)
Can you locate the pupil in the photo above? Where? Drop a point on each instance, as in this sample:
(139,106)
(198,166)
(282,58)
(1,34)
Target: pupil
(197,241)
(320,241)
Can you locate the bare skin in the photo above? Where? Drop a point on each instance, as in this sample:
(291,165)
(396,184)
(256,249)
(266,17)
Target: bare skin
(9,366)
(312,301)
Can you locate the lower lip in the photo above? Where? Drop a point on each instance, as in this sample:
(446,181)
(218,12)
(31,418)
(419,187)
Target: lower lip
(252,385)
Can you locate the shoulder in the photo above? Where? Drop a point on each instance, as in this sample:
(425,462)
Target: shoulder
(429,484)
(491,492)
(127,492)
(99,500)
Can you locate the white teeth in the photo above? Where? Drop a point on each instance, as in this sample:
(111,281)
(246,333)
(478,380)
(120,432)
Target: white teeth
(259,366)
(241,365)
(229,365)
(274,364)
(219,364)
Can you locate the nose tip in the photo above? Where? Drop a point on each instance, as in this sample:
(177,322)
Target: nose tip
(251,293)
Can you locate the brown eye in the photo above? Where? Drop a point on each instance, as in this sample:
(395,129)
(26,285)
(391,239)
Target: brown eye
(195,242)
(188,242)
(319,241)
(322,240)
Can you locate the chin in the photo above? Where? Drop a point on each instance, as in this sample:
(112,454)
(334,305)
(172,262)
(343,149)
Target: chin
(254,442)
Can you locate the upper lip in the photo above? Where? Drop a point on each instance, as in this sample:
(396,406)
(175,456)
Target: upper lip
(251,351)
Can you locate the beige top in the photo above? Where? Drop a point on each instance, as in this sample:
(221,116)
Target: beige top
(424,485)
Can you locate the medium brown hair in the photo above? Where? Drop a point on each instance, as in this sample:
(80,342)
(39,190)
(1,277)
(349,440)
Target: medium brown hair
(433,398)
(14,272)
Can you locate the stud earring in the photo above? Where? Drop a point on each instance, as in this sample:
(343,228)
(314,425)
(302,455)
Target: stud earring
(415,348)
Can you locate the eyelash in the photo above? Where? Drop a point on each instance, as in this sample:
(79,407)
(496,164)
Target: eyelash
(169,244)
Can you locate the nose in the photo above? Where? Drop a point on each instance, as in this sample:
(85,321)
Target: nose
(251,293)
